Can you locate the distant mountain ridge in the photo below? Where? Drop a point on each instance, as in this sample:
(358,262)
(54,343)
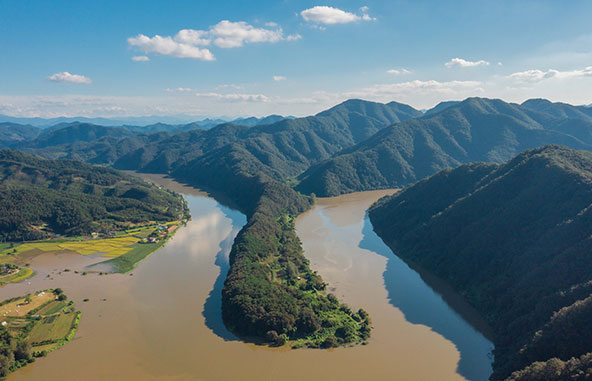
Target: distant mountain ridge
(476,129)
(144,124)
(280,150)
(355,145)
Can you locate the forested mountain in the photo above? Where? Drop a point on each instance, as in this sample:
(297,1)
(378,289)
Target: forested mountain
(474,130)
(40,197)
(12,133)
(441,106)
(253,121)
(558,109)
(280,150)
(203,124)
(516,241)
(76,132)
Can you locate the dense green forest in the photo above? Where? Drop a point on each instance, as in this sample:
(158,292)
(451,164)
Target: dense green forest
(14,353)
(474,130)
(270,293)
(13,133)
(515,240)
(282,150)
(40,198)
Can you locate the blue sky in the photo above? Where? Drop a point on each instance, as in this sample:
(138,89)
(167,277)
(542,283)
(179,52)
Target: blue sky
(76,58)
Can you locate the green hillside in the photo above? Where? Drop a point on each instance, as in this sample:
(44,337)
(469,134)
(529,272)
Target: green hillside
(515,241)
(40,198)
(474,130)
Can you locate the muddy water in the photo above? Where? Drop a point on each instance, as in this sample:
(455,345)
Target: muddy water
(163,321)
(415,328)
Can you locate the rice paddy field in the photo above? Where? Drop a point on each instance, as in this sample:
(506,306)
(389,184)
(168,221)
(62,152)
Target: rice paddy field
(124,250)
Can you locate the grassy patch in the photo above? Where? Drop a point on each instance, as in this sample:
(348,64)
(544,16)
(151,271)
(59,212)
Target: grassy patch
(126,263)
(52,308)
(52,328)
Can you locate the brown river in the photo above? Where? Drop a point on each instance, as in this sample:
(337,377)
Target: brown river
(163,320)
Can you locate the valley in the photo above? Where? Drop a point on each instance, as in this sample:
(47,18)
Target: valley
(271,293)
(180,289)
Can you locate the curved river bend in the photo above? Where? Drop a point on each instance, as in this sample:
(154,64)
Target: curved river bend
(163,320)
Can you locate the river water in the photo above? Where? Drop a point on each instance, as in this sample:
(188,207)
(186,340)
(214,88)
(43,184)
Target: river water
(163,321)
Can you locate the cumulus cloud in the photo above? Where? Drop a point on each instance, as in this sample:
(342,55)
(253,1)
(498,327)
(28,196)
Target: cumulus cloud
(190,43)
(228,34)
(399,71)
(140,58)
(459,62)
(537,75)
(193,37)
(278,78)
(65,76)
(322,14)
(169,47)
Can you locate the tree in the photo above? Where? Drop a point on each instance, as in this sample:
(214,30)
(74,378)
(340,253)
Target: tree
(308,321)
(22,350)
(330,342)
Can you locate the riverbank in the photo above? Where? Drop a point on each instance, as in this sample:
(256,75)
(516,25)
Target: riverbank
(165,320)
(411,319)
(33,326)
(125,248)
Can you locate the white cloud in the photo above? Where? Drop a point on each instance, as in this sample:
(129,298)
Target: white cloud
(399,71)
(193,37)
(64,76)
(169,47)
(537,75)
(179,90)
(234,97)
(271,24)
(293,37)
(278,78)
(228,34)
(459,62)
(322,14)
(390,91)
(189,43)
(365,15)
(140,58)
(229,86)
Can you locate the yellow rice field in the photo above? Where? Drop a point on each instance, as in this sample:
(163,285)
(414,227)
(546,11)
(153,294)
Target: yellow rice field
(109,247)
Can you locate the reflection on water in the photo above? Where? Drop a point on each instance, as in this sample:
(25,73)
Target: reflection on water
(345,248)
(213,305)
(422,305)
(163,321)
